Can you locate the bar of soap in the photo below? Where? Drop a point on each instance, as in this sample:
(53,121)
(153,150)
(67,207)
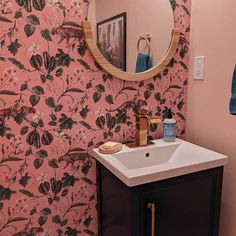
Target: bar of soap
(110,145)
(110,148)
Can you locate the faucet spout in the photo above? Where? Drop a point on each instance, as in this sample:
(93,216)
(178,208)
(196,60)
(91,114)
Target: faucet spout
(142,127)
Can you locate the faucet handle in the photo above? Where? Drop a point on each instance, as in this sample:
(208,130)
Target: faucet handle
(143,112)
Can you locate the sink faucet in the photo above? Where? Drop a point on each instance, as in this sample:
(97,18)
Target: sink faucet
(142,126)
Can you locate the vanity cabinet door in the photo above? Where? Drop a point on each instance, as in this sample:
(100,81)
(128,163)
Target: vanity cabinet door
(183,208)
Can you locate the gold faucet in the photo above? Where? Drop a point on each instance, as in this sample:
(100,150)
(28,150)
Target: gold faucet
(142,126)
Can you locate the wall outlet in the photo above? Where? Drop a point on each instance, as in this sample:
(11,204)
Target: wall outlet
(199,67)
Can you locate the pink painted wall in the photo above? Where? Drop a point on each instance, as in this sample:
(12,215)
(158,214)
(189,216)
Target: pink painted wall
(56,105)
(209,124)
(143,17)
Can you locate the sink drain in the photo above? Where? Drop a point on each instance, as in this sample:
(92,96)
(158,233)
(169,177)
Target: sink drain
(147,154)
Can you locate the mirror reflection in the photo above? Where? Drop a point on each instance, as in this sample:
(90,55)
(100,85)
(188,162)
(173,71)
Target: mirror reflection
(133,35)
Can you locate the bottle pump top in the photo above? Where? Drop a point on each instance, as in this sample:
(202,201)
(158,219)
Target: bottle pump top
(169,114)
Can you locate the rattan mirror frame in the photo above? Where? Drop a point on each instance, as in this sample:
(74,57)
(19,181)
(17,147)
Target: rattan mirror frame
(109,68)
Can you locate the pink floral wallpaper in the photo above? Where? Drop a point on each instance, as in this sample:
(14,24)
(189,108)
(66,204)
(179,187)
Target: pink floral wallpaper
(56,104)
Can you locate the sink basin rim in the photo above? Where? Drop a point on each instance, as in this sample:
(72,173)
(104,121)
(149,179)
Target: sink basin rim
(134,177)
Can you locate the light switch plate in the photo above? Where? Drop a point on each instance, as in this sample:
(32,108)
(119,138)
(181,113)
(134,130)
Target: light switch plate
(199,67)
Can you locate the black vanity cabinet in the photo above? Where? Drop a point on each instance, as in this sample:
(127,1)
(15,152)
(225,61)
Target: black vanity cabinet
(188,205)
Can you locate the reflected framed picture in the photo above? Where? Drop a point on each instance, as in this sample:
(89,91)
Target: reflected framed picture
(111,39)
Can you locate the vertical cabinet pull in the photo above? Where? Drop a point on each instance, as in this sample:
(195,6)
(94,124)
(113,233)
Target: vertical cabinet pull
(153,208)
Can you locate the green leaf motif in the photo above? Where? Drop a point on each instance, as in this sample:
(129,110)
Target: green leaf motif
(36,61)
(84,112)
(24,87)
(186,10)
(50,102)
(24,180)
(44,188)
(75,90)
(52,64)
(69,180)
(88,181)
(11,159)
(100,88)
(34,20)
(17,219)
(13,47)
(6,193)
(100,122)
(42,153)
(151,87)
(1,206)
(34,100)
(109,99)
(59,72)
(33,211)
(180,116)
(53,163)
(8,92)
(84,64)
(4,19)
(19,118)
(2,43)
(16,63)
(71,232)
(38,90)
(47,138)
(20,2)
(96,97)
(79,204)
(63,59)
(29,30)
(27,5)
(82,49)
(129,88)
(89,232)
(3,130)
(66,122)
(46,211)
(26,193)
(183,65)
(86,125)
(46,35)
(147,94)
(88,221)
(174,4)
(38,162)
(18,14)
(42,220)
(56,219)
(39,4)
(24,130)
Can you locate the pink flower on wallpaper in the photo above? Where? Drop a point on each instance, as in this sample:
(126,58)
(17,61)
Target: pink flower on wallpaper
(9,77)
(34,49)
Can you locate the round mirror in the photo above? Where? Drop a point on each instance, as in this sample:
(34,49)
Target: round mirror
(133,35)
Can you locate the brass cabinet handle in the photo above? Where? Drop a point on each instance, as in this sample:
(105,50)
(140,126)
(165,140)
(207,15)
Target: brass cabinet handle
(153,208)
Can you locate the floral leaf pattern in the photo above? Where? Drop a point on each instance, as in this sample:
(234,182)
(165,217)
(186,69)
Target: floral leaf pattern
(56,104)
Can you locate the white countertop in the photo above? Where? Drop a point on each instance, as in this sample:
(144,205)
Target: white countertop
(165,160)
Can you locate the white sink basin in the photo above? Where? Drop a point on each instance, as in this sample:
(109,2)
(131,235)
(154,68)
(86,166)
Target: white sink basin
(147,157)
(136,166)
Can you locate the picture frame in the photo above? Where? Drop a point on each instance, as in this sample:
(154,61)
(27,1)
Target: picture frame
(111,39)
